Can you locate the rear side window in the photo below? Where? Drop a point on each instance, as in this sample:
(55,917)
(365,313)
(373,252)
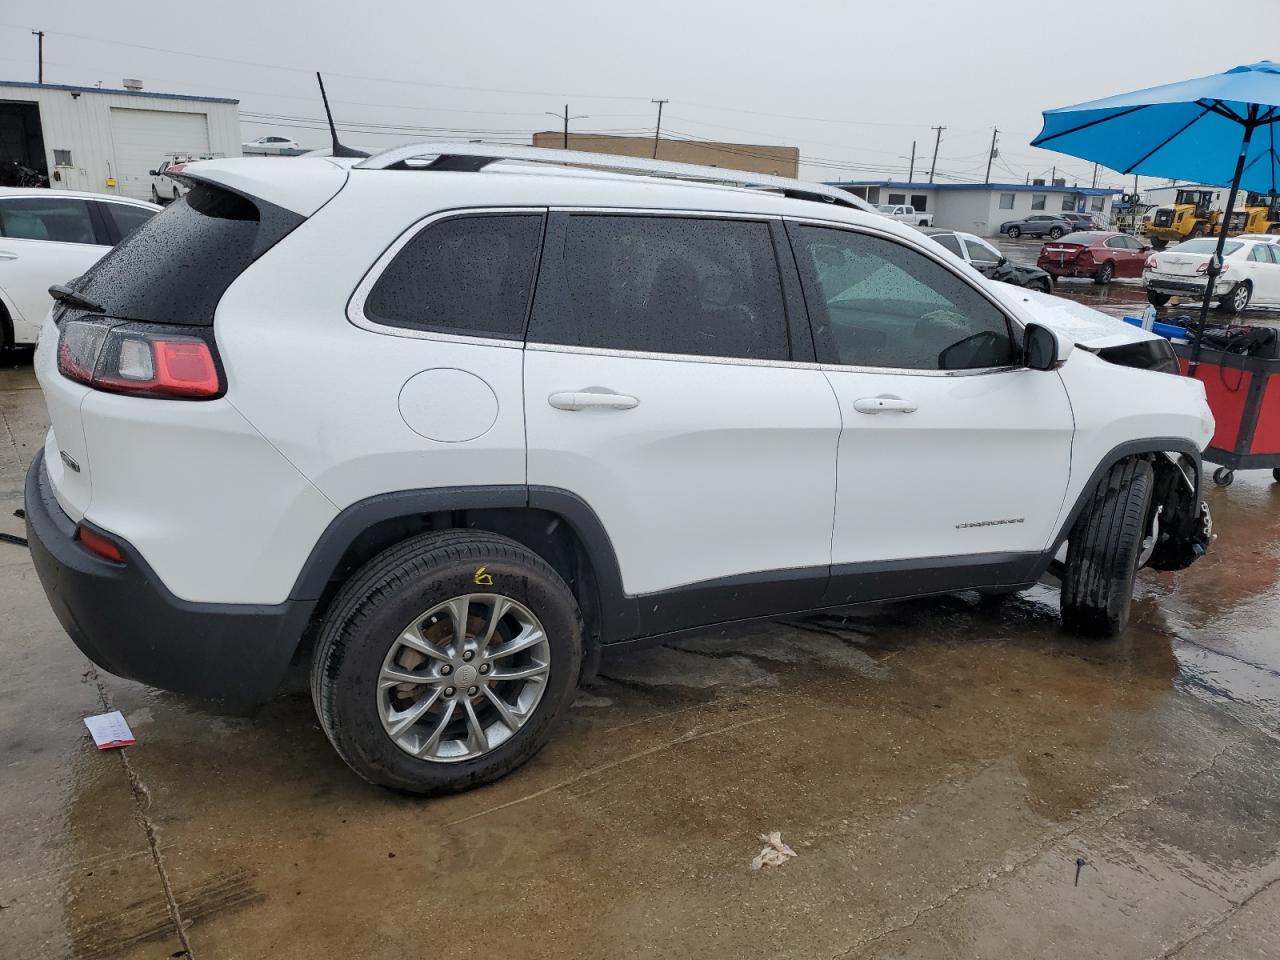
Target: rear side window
(951,242)
(877,303)
(466,275)
(127,218)
(681,285)
(176,266)
(57,219)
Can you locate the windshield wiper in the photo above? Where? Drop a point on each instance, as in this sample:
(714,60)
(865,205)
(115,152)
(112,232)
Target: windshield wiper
(64,294)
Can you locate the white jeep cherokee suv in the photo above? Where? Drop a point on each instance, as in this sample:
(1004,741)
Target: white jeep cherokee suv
(450,420)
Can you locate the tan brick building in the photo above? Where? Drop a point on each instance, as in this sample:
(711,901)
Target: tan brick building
(756,158)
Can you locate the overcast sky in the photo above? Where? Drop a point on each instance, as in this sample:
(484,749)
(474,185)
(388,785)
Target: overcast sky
(851,84)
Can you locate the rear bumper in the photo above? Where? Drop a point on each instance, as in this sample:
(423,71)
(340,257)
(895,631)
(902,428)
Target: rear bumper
(124,619)
(1178,287)
(1067,269)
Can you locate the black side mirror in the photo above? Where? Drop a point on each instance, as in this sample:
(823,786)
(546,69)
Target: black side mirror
(1039,347)
(153,173)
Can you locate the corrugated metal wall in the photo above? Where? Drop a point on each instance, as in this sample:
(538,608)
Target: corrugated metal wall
(82,124)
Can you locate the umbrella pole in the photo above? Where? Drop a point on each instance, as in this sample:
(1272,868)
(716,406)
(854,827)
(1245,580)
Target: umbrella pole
(1215,262)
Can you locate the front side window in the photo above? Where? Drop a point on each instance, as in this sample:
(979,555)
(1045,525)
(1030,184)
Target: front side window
(57,219)
(877,303)
(1038,201)
(469,275)
(1006,201)
(682,285)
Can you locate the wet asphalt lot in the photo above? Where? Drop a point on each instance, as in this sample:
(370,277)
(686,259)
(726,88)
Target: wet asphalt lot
(940,767)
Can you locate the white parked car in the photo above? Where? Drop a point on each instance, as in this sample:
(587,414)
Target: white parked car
(270,145)
(466,429)
(53,236)
(905,213)
(1250,273)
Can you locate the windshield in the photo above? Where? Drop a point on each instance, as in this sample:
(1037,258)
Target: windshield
(1204,245)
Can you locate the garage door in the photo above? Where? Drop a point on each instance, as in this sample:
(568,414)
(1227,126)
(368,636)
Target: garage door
(143,138)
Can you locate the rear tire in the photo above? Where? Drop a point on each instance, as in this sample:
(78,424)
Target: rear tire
(1055,233)
(389,598)
(1106,273)
(1013,233)
(1236,300)
(1157,299)
(1103,551)
(155,195)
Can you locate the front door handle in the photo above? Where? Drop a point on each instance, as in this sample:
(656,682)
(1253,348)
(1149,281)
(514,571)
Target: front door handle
(582,399)
(8,255)
(884,404)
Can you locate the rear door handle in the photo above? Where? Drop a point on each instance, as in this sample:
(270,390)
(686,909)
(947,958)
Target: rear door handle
(582,399)
(8,255)
(884,405)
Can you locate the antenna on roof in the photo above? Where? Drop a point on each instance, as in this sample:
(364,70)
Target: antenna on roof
(338,149)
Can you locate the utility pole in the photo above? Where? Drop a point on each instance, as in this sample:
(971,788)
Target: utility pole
(566,118)
(911,174)
(1095,174)
(936,141)
(1053,176)
(39,35)
(657,129)
(992,154)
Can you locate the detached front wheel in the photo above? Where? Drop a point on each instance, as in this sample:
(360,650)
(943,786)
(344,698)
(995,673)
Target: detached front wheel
(446,662)
(1103,552)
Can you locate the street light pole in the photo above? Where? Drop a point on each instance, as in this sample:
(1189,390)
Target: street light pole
(566,118)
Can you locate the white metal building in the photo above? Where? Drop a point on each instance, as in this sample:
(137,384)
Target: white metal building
(106,141)
(981,207)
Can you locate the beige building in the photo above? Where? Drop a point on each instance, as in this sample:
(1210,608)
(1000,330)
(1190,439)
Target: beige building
(756,158)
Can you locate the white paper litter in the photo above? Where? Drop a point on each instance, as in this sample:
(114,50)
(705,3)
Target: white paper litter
(110,730)
(774,854)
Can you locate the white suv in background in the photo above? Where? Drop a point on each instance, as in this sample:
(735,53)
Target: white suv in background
(450,420)
(49,237)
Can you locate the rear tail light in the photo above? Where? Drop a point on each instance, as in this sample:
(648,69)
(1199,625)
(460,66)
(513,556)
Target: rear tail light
(99,545)
(141,359)
(1204,268)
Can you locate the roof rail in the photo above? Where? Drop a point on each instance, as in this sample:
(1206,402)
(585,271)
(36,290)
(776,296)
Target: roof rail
(470,157)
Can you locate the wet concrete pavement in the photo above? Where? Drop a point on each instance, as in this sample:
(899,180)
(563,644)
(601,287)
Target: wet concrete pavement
(940,768)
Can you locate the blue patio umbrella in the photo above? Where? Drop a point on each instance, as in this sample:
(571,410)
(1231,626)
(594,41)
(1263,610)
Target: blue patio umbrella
(1217,130)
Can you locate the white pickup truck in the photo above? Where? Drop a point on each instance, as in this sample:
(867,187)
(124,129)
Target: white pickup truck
(905,213)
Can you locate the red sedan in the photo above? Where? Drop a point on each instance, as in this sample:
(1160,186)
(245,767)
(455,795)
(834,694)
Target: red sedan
(1100,254)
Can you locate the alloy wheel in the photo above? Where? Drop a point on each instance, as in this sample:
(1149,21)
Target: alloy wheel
(463,678)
